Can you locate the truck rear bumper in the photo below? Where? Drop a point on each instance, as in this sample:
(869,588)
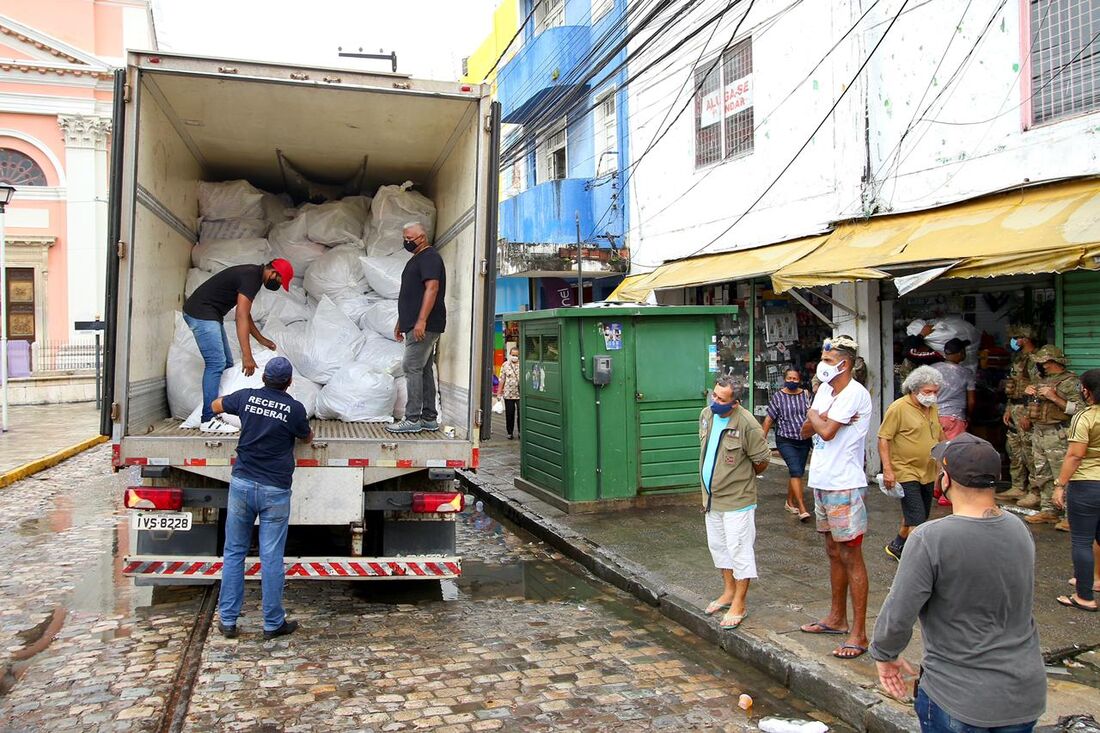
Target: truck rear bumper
(176,567)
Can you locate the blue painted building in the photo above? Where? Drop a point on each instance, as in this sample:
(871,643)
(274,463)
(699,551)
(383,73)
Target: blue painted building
(564,153)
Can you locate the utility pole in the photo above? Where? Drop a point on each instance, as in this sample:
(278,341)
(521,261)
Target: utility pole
(580,262)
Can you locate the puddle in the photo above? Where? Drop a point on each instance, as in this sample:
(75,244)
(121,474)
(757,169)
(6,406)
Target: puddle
(35,641)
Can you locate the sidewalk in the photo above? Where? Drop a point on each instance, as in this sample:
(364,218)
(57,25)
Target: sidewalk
(35,431)
(661,555)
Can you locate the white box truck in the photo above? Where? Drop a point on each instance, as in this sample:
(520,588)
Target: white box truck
(367,504)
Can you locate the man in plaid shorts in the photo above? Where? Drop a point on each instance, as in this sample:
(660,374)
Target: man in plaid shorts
(838,421)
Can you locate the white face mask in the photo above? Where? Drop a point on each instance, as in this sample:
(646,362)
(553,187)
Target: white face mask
(828,372)
(927,399)
(513,358)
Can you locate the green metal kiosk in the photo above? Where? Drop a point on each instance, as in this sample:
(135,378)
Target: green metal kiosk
(610,400)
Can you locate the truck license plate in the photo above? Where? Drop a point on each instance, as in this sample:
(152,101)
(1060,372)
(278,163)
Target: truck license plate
(178,521)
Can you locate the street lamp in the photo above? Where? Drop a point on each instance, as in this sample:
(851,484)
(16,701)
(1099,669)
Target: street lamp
(6,192)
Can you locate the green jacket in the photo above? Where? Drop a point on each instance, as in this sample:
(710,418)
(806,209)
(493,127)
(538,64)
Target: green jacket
(733,482)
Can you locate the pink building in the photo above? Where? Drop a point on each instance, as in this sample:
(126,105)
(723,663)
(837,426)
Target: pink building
(57,61)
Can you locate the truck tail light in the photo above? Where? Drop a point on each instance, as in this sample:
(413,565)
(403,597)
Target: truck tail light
(143,497)
(448,502)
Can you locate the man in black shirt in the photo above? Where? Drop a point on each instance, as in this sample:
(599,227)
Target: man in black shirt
(421,318)
(204,312)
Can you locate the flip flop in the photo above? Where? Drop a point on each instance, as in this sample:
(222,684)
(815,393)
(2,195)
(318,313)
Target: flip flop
(804,516)
(1095,586)
(1071,602)
(789,508)
(715,607)
(732,621)
(819,628)
(855,647)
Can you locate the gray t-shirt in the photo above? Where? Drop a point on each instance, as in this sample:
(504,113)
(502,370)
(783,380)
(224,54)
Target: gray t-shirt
(957,380)
(970,581)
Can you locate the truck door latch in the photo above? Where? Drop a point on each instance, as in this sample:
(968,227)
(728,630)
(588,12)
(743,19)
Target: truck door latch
(213,444)
(227,69)
(318,445)
(389,446)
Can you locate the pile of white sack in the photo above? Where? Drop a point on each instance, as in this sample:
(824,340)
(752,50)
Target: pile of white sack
(335,325)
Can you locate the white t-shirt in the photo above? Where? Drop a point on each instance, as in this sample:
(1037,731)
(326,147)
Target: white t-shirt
(839,463)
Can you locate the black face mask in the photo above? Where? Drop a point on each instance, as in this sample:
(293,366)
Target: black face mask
(272,284)
(1042,369)
(410,246)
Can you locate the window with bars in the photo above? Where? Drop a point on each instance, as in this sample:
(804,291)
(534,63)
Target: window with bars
(549,14)
(1065,58)
(724,107)
(604,133)
(551,162)
(19,169)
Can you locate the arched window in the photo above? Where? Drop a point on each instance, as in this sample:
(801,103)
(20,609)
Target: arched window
(19,169)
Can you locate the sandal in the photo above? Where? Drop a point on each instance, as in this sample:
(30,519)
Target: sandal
(789,508)
(1095,586)
(859,651)
(731,620)
(1071,602)
(819,628)
(804,517)
(715,607)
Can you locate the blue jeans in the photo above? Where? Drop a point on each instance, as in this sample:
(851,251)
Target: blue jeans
(934,719)
(1083,513)
(214,347)
(247,500)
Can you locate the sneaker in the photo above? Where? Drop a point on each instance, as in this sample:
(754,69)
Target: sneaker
(894,552)
(1031,501)
(429,425)
(219,426)
(1045,517)
(288,627)
(405,426)
(1009,494)
(229,632)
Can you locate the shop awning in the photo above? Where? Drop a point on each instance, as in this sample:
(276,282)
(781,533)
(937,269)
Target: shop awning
(1050,228)
(738,265)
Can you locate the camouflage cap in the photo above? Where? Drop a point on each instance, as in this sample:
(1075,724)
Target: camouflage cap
(1049,353)
(1021,330)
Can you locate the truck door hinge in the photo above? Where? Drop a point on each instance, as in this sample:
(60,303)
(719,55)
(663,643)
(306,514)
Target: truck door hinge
(477,418)
(488,123)
(484,267)
(127,93)
(120,248)
(116,411)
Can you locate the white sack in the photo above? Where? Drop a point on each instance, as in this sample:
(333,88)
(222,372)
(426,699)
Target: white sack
(336,222)
(392,208)
(384,273)
(305,392)
(216,255)
(356,394)
(277,208)
(234,380)
(183,371)
(337,272)
(289,241)
(195,278)
(286,307)
(232,229)
(230,200)
(380,317)
(318,348)
(354,306)
(949,327)
(381,354)
(400,397)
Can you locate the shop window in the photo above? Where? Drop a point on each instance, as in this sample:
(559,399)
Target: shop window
(532,348)
(724,121)
(549,14)
(1065,68)
(19,169)
(605,135)
(551,161)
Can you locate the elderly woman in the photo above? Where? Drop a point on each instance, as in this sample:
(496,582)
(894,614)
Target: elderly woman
(910,428)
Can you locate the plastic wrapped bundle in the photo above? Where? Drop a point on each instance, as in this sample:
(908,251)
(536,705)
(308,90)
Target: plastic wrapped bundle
(230,200)
(357,394)
(384,273)
(233,380)
(381,354)
(381,318)
(336,222)
(216,255)
(337,273)
(195,278)
(354,306)
(232,229)
(392,208)
(318,348)
(289,241)
(183,371)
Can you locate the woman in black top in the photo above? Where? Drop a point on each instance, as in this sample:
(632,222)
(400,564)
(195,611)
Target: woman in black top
(787,410)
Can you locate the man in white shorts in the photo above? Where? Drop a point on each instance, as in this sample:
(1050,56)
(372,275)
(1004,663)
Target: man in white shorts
(838,422)
(732,452)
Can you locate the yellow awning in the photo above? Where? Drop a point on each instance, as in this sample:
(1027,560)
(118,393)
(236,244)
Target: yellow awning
(1051,228)
(738,265)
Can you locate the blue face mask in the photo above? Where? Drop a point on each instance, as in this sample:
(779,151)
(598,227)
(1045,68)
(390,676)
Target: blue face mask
(1014,344)
(792,386)
(719,408)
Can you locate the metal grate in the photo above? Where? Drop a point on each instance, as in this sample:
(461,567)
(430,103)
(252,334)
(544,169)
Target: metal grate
(1065,58)
(708,139)
(731,133)
(322,430)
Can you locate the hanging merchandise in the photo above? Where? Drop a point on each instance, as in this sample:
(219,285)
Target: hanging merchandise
(392,208)
(357,394)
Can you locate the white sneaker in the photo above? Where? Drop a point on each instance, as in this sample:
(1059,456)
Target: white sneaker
(217,425)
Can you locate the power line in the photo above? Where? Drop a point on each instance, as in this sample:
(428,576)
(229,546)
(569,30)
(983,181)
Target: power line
(520,29)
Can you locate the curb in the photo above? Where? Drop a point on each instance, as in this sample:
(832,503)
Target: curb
(860,708)
(41,464)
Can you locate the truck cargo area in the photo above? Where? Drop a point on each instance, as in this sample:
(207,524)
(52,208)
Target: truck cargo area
(189,120)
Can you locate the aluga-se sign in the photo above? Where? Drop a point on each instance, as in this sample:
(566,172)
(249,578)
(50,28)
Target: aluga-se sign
(736,96)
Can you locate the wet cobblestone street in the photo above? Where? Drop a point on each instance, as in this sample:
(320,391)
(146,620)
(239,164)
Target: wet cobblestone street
(525,640)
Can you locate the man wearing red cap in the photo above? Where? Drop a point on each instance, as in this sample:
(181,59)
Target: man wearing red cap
(204,313)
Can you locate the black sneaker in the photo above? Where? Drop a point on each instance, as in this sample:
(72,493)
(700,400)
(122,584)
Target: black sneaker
(288,627)
(893,551)
(229,632)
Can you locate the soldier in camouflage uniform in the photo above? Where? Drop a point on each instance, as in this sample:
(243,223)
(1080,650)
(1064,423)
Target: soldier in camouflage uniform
(1018,441)
(1059,396)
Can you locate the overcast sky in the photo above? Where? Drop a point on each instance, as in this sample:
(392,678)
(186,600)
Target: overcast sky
(430,36)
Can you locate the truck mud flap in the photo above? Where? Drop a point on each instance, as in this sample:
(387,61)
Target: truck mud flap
(429,567)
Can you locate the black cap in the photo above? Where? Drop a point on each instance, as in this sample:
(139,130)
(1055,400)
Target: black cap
(970,461)
(955,346)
